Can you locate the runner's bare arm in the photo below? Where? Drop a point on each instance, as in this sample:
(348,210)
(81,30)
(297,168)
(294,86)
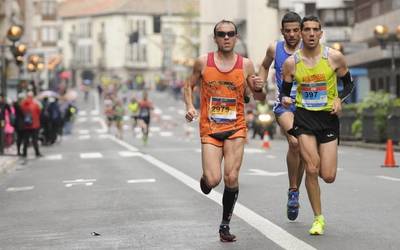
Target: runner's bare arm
(266,63)
(194,79)
(288,70)
(253,82)
(338,62)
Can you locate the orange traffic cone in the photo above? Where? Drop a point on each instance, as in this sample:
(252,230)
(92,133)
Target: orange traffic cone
(389,159)
(266,144)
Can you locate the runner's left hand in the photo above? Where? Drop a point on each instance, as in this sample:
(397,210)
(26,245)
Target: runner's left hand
(336,107)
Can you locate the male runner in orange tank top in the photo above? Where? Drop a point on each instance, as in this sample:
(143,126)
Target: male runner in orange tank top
(223,77)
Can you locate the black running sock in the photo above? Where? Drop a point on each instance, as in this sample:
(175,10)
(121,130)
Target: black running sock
(228,202)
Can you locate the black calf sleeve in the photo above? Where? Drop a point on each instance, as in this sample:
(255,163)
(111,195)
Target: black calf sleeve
(228,202)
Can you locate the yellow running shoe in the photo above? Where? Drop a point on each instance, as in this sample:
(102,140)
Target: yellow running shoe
(318,225)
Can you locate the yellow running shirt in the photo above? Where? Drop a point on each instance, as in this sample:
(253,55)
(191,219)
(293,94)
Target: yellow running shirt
(316,86)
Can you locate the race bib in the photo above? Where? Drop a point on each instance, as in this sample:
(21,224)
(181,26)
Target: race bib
(314,95)
(222,110)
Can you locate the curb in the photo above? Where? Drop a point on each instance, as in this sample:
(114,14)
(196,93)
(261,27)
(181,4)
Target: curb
(360,144)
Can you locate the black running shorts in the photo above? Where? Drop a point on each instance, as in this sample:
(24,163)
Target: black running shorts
(322,124)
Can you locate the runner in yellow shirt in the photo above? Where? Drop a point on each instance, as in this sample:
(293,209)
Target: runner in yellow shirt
(316,124)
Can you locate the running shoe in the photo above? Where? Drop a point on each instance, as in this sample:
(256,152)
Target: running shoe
(203,186)
(225,235)
(293,205)
(318,225)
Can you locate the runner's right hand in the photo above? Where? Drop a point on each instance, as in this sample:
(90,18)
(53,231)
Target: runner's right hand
(191,114)
(286,101)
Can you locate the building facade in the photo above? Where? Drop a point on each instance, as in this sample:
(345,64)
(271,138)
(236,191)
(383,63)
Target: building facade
(380,59)
(124,39)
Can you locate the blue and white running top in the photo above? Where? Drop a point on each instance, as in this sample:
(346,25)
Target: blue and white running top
(280,57)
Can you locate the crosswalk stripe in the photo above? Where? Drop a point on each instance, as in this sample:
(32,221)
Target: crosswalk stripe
(83,132)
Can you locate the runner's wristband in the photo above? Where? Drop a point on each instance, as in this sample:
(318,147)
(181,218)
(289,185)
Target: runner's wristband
(286,88)
(348,86)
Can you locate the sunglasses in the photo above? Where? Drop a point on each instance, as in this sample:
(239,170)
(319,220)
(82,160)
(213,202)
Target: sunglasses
(223,34)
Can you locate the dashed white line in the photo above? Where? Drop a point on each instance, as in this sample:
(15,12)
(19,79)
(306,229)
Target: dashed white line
(129,154)
(17,189)
(388,178)
(82,113)
(83,132)
(92,155)
(84,137)
(166,134)
(53,157)
(141,181)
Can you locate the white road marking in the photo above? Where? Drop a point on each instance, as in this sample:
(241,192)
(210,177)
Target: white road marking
(157,111)
(129,154)
(388,178)
(271,156)
(83,132)
(247,151)
(95,119)
(123,144)
(166,117)
(126,127)
(82,113)
(155,129)
(91,155)
(254,151)
(17,189)
(166,134)
(86,182)
(263,225)
(84,137)
(81,119)
(104,136)
(53,157)
(141,181)
(94,112)
(171,108)
(181,112)
(264,173)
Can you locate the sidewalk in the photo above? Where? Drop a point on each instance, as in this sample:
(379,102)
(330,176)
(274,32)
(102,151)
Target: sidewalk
(8,160)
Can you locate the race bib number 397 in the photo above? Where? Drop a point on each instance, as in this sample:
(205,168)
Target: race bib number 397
(222,109)
(314,95)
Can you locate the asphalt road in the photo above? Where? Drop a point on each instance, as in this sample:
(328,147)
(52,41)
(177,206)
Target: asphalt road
(147,197)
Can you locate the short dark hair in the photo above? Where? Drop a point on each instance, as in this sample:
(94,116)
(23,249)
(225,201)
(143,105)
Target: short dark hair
(310,18)
(221,22)
(291,17)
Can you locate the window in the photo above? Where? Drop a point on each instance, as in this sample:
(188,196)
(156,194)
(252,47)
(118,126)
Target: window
(398,85)
(85,29)
(157,24)
(336,17)
(310,8)
(137,49)
(49,34)
(48,9)
(373,85)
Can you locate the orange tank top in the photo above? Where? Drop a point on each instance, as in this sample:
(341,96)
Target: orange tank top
(222,98)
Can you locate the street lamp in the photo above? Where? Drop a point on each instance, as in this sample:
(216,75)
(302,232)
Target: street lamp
(382,34)
(14,33)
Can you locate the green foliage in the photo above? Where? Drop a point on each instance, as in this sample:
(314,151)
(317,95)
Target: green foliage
(380,103)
